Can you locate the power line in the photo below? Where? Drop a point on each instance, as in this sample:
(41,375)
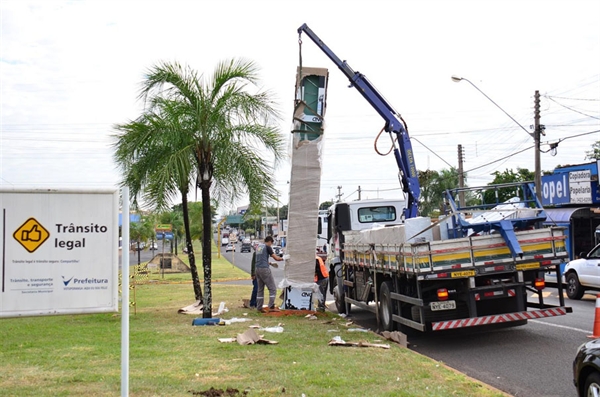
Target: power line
(434,153)
(572,99)
(500,159)
(574,110)
(381,190)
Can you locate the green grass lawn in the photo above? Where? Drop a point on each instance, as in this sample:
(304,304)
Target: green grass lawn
(80,355)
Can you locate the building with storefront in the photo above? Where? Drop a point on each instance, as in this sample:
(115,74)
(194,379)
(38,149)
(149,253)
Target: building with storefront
(571,198)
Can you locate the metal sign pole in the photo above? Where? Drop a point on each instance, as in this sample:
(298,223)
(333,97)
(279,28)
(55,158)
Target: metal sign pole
(125,297)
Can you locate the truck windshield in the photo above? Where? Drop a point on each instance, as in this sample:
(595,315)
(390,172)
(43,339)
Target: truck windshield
(377,214)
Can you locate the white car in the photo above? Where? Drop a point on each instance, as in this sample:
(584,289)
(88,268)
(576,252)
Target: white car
(230,247)
(583,274)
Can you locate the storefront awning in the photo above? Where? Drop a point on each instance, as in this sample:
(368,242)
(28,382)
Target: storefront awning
(564,215)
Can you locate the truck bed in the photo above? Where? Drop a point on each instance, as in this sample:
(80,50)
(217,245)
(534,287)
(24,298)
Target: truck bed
(461,257)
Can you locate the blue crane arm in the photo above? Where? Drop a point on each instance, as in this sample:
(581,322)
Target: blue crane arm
(403,153)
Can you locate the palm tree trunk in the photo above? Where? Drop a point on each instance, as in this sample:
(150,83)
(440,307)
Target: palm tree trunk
(206,249)
(190,249)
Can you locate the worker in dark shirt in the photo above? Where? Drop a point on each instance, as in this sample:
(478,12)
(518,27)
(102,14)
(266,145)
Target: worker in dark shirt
(254,282)
(264,275)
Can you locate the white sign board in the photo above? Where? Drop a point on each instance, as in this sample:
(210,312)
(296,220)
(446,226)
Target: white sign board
(59,252)
(580,188)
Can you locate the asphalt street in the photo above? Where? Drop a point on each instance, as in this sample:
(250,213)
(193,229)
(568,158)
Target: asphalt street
(146,255)
(533,360)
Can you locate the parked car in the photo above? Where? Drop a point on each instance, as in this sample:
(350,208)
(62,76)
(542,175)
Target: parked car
(230,247)
(153,246)
(141,246)
(586,369)
(277,250)
(583,274)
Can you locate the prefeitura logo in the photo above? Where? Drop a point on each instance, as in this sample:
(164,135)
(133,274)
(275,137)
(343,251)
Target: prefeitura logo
(31,235)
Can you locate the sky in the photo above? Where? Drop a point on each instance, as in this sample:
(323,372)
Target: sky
(71,70)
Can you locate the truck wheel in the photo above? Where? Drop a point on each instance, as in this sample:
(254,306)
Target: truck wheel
(385,307)
(338,295)
(574,288)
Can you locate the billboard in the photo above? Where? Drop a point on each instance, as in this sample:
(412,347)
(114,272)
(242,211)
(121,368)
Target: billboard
(59,252)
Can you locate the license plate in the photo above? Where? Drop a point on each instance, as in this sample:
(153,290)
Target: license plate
(526,266)
(447,305)
(465,273)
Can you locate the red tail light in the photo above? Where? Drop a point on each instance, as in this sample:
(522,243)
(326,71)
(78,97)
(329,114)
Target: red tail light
(442,294)
(539,283)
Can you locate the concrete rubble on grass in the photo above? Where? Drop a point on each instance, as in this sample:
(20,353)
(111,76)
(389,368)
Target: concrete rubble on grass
(397,337)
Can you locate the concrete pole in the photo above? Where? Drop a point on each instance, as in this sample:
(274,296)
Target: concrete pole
(536,137)
(461,176)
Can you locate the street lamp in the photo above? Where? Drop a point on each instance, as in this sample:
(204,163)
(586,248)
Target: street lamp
(535,135)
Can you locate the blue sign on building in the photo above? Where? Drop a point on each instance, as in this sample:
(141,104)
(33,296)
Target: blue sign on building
(555,189)
(576,185)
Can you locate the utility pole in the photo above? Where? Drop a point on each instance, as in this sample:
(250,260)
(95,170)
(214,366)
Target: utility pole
(339,195)
(537,130)
(278,223)
(461,176)
(359,192)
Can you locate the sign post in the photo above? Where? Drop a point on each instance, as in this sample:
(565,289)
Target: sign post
(125,298)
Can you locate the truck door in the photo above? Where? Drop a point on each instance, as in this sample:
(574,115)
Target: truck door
(590,272)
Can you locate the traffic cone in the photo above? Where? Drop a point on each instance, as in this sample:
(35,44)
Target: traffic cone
(596,333)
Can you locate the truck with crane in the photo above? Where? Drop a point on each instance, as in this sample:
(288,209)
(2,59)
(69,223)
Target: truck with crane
(474,267)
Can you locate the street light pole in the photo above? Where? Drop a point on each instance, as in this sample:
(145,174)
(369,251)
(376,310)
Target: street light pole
(535,135)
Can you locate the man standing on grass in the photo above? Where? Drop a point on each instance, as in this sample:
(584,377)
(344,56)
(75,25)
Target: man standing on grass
(264,276)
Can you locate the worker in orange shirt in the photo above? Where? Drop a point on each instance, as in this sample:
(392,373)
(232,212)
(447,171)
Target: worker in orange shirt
(322,279)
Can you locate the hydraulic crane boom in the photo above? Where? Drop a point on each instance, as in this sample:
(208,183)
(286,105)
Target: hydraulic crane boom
(393,124)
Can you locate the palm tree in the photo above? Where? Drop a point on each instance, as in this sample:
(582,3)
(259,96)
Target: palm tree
(156,167)
(141,231)
(224,136)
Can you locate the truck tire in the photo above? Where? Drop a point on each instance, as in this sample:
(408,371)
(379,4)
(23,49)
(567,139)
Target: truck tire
(574,289)
(340,302)
(386,308)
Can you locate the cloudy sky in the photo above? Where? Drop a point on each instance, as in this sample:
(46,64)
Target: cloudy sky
(70,70)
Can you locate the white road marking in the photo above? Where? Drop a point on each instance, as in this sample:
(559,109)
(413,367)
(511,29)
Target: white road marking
(561,326)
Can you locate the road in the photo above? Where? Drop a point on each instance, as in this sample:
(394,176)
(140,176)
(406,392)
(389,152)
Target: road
(533,360)
(145,254)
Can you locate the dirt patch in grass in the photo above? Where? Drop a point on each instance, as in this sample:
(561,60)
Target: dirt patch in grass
(212,392)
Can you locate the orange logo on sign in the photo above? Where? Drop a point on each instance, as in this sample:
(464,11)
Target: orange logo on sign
(31,235)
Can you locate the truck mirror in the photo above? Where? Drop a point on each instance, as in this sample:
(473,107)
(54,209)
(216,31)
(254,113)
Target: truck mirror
(319,227)
(342,216)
